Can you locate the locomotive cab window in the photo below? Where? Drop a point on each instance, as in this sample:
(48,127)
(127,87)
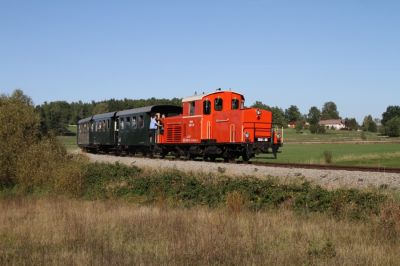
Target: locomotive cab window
(235,104)
(206,107)
(192,106)
(218,104)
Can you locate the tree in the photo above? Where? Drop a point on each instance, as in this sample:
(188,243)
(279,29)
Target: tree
(55,116)
(392,127)
(261,105)
(351,123)
(101,108)
(278,116)
(18,131)
(292,114)
(369,124)
(317,129)
(314,115)
(299,125)
(329,111)
(391,112)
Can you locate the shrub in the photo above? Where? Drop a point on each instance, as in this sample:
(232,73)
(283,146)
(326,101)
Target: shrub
(389,221)
(328,157)
(234,201)
(317,129)
(392,127)
(17,133)
(47,166)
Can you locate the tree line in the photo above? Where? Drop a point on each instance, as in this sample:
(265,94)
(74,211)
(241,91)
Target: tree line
(389,124)
(56,116)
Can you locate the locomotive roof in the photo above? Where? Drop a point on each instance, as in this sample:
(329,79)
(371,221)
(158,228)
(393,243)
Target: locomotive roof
(150,109)
(105,115)
(199,97)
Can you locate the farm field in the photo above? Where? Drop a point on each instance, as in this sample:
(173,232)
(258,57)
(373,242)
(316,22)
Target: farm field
(291,136)
(371,154)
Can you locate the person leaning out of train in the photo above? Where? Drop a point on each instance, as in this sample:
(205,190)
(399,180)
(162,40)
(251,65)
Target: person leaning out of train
(153,127)
(160,124)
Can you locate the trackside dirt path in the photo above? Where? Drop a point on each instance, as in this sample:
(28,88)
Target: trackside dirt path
(325,178)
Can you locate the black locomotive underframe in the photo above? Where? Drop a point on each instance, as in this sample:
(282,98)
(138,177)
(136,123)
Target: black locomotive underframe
(206,150)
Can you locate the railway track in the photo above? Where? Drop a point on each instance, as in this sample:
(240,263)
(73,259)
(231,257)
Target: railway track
(290,165)
(330,167)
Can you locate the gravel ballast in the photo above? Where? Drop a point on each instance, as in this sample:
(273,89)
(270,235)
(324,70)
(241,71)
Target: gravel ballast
(326,178)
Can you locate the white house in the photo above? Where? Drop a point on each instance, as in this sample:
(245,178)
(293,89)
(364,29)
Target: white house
(332,123)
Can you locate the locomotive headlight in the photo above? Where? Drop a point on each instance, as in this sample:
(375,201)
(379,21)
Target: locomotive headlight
(258,112)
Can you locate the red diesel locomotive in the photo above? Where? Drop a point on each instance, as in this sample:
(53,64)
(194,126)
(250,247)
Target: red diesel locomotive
(218,125)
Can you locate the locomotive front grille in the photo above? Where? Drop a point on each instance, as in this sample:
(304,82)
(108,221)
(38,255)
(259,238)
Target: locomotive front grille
(174,134)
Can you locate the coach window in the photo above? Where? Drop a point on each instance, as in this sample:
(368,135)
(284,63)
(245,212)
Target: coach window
(128,121)
(121,123)
(141,121)
(235,104)
(108,124)
(218,104)
(134,125)
(192,106)
(206,107)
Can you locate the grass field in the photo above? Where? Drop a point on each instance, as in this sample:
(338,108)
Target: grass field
(290,136)
(372,154)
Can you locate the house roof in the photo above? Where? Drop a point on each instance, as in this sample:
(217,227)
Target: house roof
(331,122)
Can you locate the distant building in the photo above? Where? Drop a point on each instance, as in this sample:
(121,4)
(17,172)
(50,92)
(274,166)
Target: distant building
(332,124)
(293,124)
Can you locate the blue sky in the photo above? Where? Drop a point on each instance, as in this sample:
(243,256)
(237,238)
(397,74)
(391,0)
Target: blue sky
(279,52)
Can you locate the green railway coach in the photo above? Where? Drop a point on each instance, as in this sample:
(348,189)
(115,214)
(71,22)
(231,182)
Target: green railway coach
(103,131)
(132,127)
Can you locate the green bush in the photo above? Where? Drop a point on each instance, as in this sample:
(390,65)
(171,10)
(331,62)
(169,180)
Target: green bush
(179,188)
(18,132)
(31,162)
(328,157)
(392,127)
(317,129)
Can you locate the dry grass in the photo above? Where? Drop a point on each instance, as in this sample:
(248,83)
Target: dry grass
(71,232)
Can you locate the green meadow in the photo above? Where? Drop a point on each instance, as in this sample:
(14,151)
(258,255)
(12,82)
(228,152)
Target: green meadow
(370,154)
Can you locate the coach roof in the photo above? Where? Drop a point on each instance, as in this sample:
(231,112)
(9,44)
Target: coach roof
(103,116)
(85,120)
(150,109)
